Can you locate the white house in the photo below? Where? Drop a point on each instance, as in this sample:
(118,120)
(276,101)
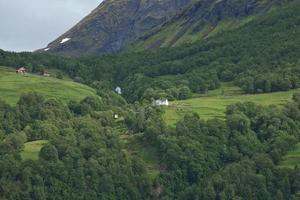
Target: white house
(161,102)
(118,90)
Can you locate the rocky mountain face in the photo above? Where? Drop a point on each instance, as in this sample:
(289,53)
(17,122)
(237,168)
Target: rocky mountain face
(114,25)
(144,24)
(203,19)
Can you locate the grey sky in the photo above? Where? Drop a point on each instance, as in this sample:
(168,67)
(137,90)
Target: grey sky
(26,25)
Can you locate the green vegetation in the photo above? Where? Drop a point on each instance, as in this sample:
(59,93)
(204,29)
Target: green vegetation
(201,22)
(32,149)
(81,151)
(178,33)
(138,149)
(237,154)
(12,85)
(214,103)
(260,56)
(292,159)
(72,147)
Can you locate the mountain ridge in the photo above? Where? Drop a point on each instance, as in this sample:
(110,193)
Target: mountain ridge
(143,24)
(113,25)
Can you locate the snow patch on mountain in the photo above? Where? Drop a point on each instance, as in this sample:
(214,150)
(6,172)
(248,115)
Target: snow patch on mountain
(65,40)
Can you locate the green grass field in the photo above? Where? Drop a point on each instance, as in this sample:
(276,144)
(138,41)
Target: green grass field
(12,85)
(32,149)
(292,158)
(215,102)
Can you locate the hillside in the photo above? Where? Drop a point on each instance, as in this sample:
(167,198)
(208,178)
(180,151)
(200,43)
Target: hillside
(115,25)
(205,19)
(12,85)
(214,103)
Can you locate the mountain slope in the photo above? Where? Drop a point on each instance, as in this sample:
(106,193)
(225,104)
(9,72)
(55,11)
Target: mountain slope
(115,25)
(204,19)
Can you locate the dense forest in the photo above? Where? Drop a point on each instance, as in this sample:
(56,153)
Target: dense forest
(234,158)
(85,158)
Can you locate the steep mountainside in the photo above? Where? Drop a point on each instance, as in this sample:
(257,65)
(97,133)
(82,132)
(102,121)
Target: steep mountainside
(204,19)
(115,24)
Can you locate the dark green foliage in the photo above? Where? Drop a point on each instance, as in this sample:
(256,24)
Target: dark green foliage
(296,98)
(29,107)
(272,82)
(13,143)
(59,75)
(184,93)
(39,130)
(53,109)
(234,158)
(48,153)
(84,158)
(86,106)
(8,118)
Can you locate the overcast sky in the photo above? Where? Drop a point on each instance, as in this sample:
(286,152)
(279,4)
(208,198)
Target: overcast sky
(27,25)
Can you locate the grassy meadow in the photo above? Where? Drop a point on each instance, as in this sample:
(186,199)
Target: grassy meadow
(292,159)
(12,85)
(32,149)
(214,103)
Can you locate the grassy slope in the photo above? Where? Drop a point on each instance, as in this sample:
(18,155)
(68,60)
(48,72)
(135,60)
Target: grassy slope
(12,85)
(32,149)
(215,102)
(292,158)
(170,34)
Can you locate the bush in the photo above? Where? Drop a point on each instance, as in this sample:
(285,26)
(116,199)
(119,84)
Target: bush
(59,75)
(184,93)
(48,153)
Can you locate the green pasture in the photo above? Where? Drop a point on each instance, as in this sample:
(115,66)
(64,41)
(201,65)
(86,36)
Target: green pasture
(214,103)
(292,159)
(32,149)
(12,85)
